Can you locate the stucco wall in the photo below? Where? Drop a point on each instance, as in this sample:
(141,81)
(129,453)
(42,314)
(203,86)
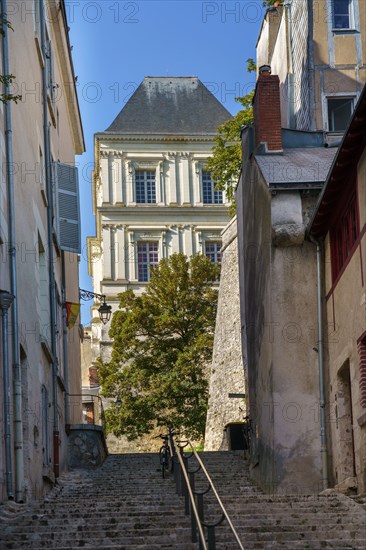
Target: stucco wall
(31,229)
(227,370)
(346,322)
(278,279)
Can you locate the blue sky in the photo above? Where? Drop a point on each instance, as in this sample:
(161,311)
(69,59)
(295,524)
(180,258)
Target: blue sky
(116,43)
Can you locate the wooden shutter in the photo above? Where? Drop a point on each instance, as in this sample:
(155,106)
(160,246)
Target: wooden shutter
(68,208)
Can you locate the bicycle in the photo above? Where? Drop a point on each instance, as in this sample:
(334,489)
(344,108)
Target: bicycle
(165,454)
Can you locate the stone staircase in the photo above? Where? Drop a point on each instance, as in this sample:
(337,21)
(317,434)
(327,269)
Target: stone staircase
(126,504)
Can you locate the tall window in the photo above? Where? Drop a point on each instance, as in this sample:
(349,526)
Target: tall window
(343,14)
(344,235)
(210,196)
(145,186)
(212,251)
(147,256)
(340,110)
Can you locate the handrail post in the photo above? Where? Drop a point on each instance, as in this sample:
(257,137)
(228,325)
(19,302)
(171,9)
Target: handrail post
(200,507)
(186,495)
(193,518)
(211,539)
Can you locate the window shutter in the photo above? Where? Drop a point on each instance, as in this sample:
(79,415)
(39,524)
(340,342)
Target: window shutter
(68,208)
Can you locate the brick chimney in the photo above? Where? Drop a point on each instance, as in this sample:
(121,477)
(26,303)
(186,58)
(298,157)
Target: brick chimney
(267,110)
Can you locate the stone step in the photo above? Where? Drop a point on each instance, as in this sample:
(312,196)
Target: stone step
(126,504)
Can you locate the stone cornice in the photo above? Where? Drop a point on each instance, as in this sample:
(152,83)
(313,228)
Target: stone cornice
(152,138)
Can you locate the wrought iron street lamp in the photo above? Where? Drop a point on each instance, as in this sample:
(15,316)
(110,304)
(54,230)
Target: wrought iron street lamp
(105,311)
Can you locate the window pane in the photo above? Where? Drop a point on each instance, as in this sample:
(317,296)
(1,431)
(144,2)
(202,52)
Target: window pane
(210,196)
(341,14)
(145,186)
(212,252)
(339,113)
(147,256)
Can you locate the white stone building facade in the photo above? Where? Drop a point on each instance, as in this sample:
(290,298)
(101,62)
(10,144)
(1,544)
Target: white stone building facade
(153,195)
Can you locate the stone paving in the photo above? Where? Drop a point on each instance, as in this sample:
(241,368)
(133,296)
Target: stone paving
(126,504)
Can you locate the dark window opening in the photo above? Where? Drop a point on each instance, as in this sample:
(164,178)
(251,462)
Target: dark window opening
(344,235)
(339,113)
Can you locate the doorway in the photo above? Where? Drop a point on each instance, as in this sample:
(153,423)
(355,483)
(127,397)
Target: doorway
(346,467)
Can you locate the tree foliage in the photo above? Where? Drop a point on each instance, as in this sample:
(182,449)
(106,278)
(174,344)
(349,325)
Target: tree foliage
(163,341)
(225,162)
(6,79)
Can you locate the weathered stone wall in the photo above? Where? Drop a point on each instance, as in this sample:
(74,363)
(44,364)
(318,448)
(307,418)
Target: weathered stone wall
(227,373)
(86,446)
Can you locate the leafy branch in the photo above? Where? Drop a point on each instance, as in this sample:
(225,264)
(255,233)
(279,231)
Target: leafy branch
(226,159)
(6,79)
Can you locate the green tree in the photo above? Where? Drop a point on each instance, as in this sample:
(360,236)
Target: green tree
(162,344)
(225,162)
(6,79)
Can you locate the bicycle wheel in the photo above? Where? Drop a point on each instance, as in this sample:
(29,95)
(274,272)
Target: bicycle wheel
(164,459)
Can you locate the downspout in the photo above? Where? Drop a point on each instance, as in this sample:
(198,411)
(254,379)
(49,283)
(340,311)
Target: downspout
(51,273)
(320,344)
(64,345)
(17,384)
(291,75)
(6,300)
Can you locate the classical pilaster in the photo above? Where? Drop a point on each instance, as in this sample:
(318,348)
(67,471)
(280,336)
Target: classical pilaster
(114,253)
(111,182)
(185,183)
(132,257)
(173,197)
(118,177)
(120,252)
(197,184)
(130,183)
(107,274)
(104,176)
(162,183)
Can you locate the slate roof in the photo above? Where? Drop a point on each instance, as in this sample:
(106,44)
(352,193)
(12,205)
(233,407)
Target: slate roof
(310,165)
(170,105)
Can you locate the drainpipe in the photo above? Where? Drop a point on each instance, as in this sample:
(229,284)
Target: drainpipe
(64,345)
(17,384)
(320,344)
(6,299)
(51,273)
(291,76)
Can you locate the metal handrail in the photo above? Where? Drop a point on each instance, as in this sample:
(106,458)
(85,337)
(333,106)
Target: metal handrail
(217,496)
(193,503)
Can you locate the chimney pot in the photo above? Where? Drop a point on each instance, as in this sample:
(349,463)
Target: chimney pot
(265,69)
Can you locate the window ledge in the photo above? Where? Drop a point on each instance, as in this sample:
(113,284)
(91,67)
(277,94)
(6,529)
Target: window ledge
(346,31)
(39,49)
(46,348)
